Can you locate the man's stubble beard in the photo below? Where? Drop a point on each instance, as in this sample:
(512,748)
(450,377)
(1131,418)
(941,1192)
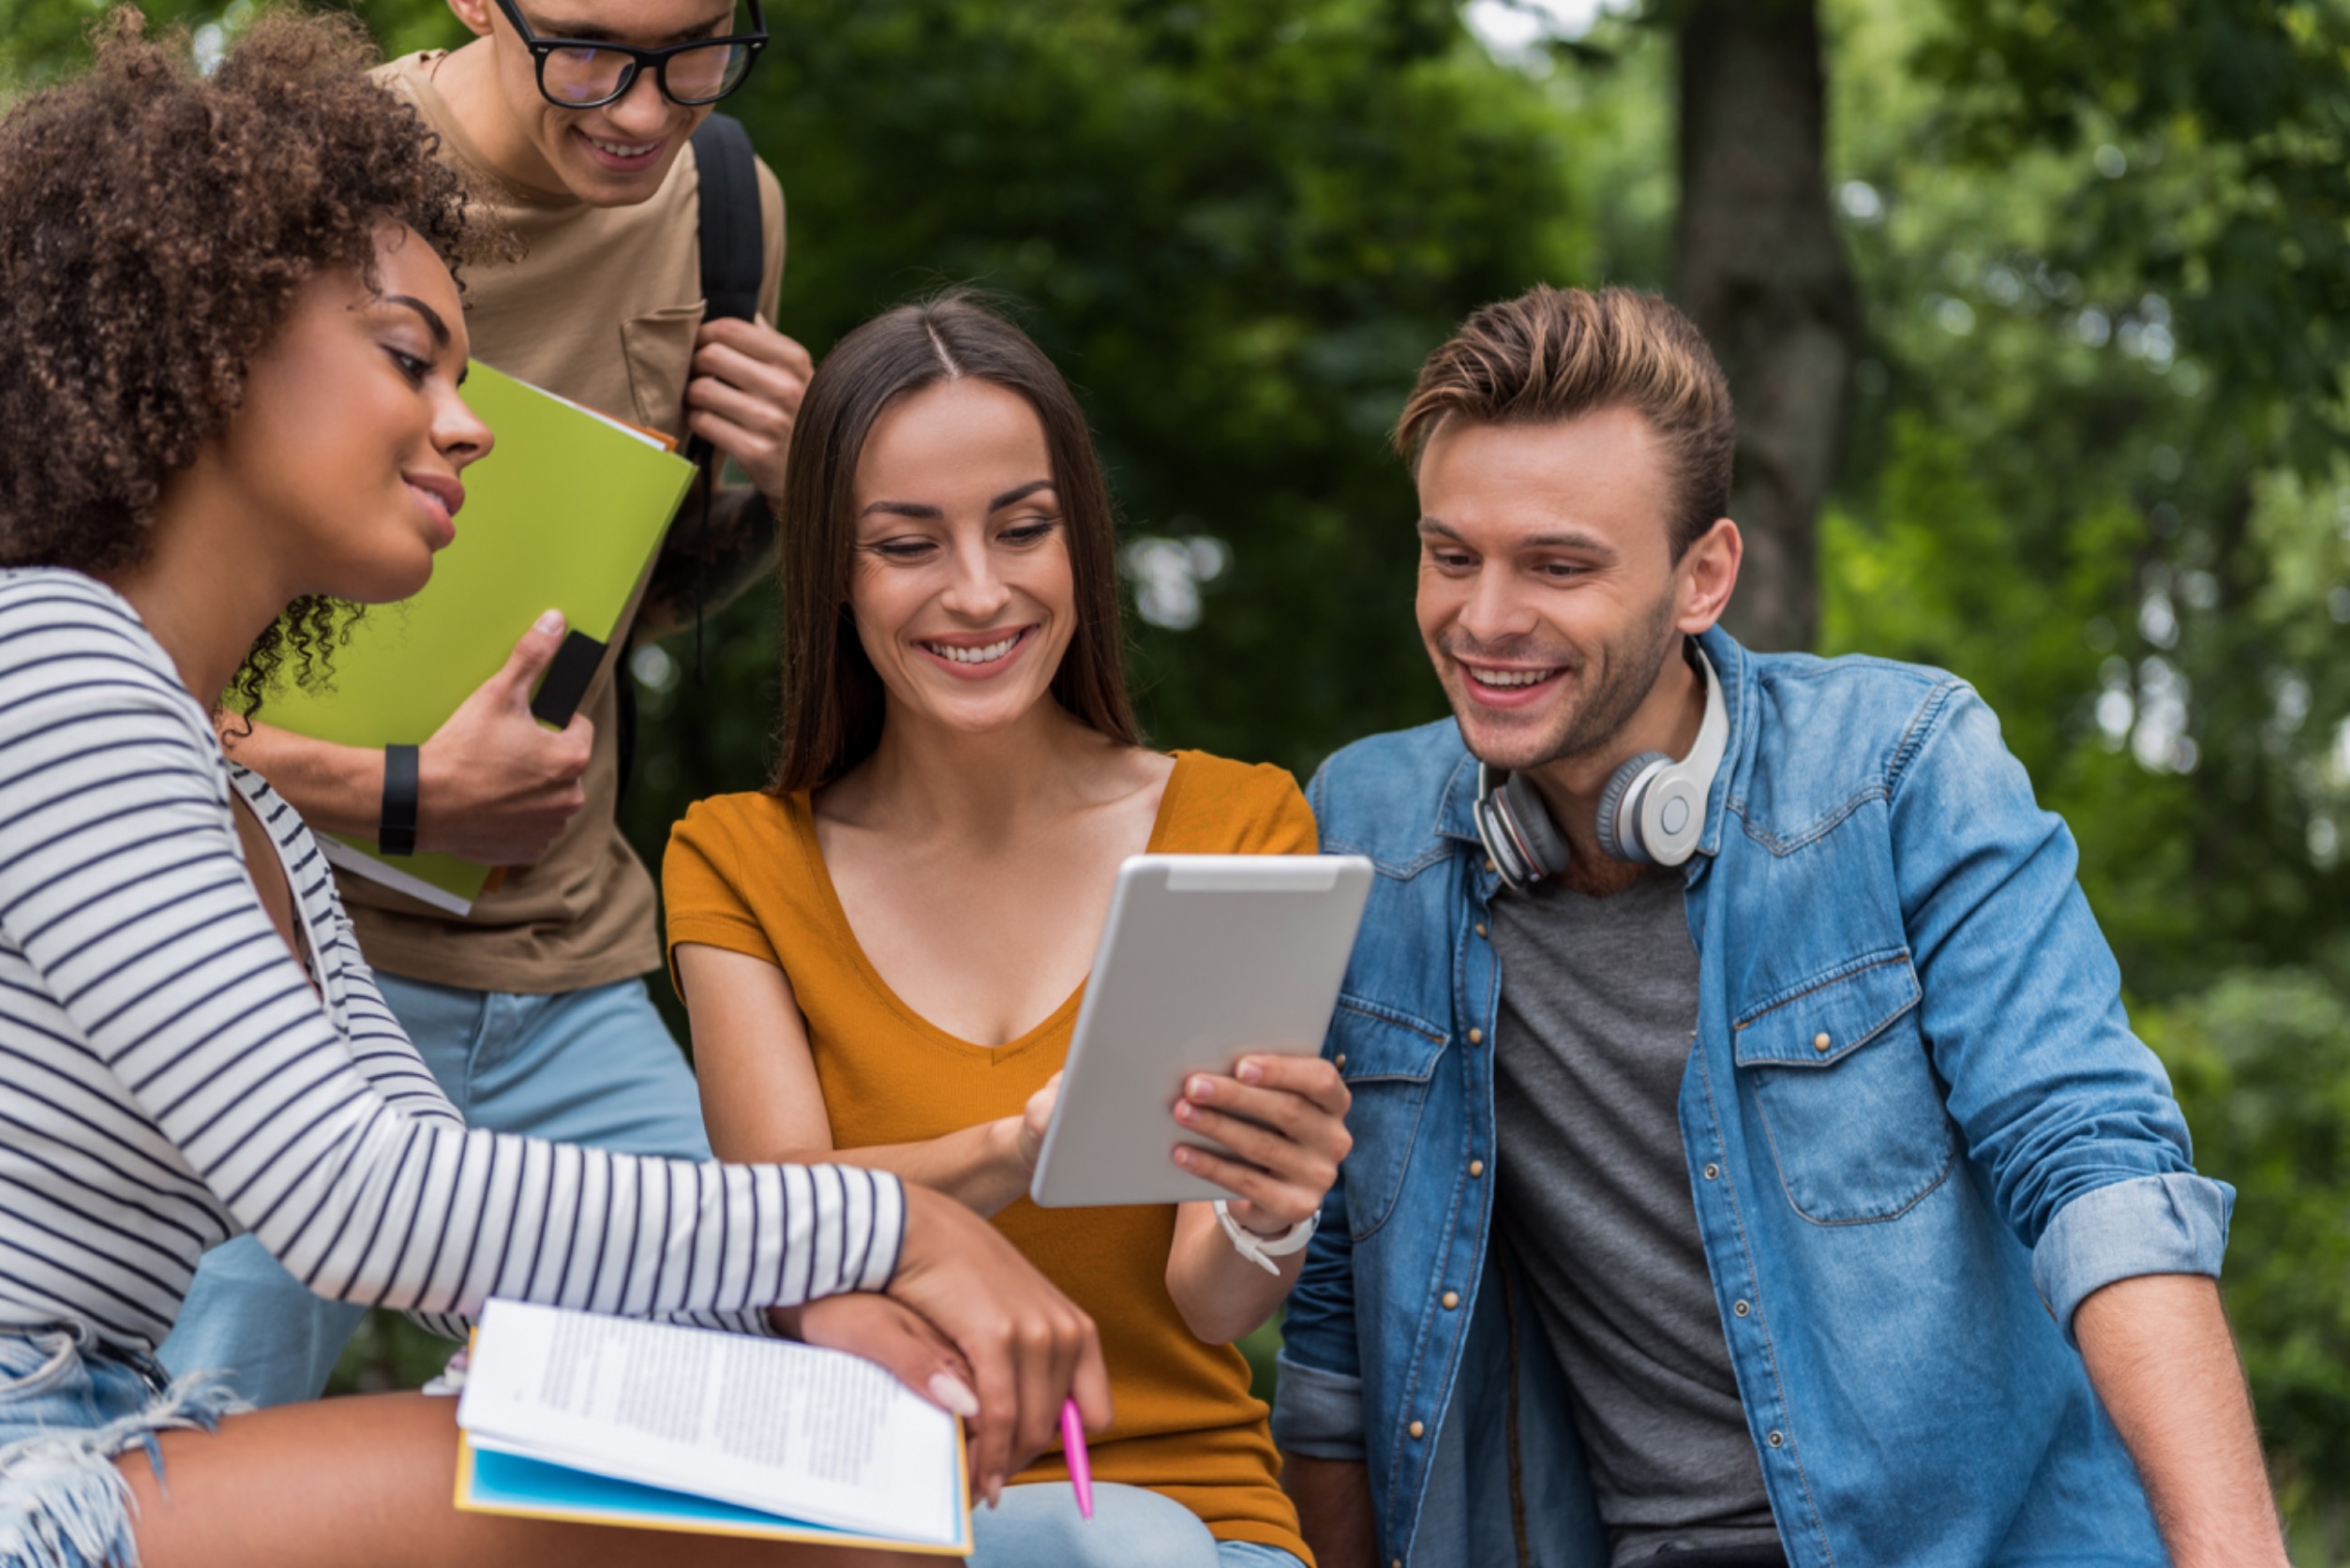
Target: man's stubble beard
(1630,665)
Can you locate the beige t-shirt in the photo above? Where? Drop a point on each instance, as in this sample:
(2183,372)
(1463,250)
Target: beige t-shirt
(602,308)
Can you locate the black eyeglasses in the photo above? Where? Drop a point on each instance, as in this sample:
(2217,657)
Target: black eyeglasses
(586,73)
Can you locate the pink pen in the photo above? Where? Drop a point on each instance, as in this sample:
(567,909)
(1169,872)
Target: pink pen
(1073,1448)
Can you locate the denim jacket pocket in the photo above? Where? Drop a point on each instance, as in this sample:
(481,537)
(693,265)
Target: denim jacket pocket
(1850,1103)
(1387,1058)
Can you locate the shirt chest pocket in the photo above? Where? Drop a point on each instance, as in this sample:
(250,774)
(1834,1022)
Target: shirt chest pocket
(1850,1105)
(659,347)
(1387,1059)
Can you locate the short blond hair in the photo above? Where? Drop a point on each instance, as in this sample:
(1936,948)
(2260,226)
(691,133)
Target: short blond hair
(1553,354)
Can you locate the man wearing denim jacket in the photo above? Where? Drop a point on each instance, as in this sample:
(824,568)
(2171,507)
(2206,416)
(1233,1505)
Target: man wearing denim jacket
(1803,1199)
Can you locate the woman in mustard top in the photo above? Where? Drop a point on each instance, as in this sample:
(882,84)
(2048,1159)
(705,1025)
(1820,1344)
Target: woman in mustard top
(884,951)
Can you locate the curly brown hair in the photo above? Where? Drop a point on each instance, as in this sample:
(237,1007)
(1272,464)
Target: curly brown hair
(156,224)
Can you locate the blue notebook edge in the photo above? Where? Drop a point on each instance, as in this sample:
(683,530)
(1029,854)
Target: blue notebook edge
(492,1483)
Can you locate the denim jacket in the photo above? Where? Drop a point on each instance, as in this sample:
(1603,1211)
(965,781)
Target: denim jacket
(1917,1129)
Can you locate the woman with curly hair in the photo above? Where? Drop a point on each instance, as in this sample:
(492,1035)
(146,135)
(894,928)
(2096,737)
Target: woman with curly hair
(232,352)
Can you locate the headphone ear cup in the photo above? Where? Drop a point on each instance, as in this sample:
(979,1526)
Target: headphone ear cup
(1546,849)
(1671,817)
(1500,847)
(1619,825)
(1495,832)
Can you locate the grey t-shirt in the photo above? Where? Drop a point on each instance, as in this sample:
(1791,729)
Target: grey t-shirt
(1599,1004)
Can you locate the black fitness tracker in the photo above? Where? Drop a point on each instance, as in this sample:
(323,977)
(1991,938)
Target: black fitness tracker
(396,833)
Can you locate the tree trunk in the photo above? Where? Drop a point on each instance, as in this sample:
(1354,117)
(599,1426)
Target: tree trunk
(1761,270)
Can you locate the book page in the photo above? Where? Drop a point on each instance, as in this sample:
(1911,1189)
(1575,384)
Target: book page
(807,1433)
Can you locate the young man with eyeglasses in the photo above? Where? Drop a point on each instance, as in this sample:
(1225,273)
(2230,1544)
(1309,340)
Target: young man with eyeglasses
(571,120)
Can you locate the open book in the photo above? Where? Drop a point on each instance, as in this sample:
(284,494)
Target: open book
(615,1421)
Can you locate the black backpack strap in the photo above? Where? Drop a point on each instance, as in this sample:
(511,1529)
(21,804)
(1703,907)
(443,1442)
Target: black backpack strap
(734,262)
(733,258)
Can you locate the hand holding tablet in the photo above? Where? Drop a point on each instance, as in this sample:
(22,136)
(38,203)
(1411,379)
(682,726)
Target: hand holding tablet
(1206,959)
(1283,1118)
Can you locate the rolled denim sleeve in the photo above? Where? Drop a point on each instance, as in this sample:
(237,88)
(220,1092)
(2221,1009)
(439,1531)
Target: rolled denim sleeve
(2066,1111)
(1318,1414)
(2175,1224)
(1319,1398)
(1318,1403)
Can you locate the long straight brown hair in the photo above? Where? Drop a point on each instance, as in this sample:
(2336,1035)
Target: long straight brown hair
(832,698)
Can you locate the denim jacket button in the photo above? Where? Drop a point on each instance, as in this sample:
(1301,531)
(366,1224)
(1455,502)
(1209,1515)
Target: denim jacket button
(1480,927)
(1820,1042)
(1477,1035)
(1340,1063)
(1711,1172)
(1417,1429)
(1740,1308)
(1451,1300)
(1776,1440)
(1477,1167)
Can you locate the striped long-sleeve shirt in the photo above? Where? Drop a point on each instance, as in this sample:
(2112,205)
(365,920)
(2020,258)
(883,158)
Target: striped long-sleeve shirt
(169,1075)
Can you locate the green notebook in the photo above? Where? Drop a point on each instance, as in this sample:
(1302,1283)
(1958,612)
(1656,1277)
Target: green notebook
(567,511)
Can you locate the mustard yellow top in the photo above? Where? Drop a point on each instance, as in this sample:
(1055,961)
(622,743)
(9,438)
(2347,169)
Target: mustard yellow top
(744,873)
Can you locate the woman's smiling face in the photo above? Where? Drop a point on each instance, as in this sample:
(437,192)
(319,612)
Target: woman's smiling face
(347,448)
(961,584)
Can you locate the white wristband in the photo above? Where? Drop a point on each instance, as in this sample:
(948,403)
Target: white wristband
(1262,1250)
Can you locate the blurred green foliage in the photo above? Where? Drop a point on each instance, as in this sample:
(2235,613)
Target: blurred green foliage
(2097,463)
(2100,474)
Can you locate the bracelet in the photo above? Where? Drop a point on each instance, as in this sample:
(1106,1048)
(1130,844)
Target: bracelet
(396,833)
(1262,1250)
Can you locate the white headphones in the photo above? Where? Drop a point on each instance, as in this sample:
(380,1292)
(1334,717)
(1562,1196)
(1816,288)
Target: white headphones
(1652,812)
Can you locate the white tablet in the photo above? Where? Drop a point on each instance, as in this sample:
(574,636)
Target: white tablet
(1204,958)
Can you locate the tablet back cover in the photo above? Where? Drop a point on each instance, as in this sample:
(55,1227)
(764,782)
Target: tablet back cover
(1204,959)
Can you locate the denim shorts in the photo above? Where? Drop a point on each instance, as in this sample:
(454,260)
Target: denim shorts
(1037,1526)
(68,1406)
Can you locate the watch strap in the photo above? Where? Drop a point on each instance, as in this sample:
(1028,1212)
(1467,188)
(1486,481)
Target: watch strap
(1262,1250)
(396,833)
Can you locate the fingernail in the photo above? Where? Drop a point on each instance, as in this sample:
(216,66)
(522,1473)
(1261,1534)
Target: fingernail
(1249,1072)
(552,623)
(1183,1156)
(994,1490)
(1184,1111)
(1201,1088)
(954,1394)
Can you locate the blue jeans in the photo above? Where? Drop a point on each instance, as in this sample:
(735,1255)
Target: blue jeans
(594,1067)
(68,1406)
(1039,1526)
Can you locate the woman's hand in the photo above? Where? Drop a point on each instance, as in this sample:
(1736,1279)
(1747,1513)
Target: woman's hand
(891,1335)
(1028,1136)
(1286,1118)
(1027,1345)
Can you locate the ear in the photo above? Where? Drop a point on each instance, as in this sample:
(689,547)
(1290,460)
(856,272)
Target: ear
(475,14)
(1706,577)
